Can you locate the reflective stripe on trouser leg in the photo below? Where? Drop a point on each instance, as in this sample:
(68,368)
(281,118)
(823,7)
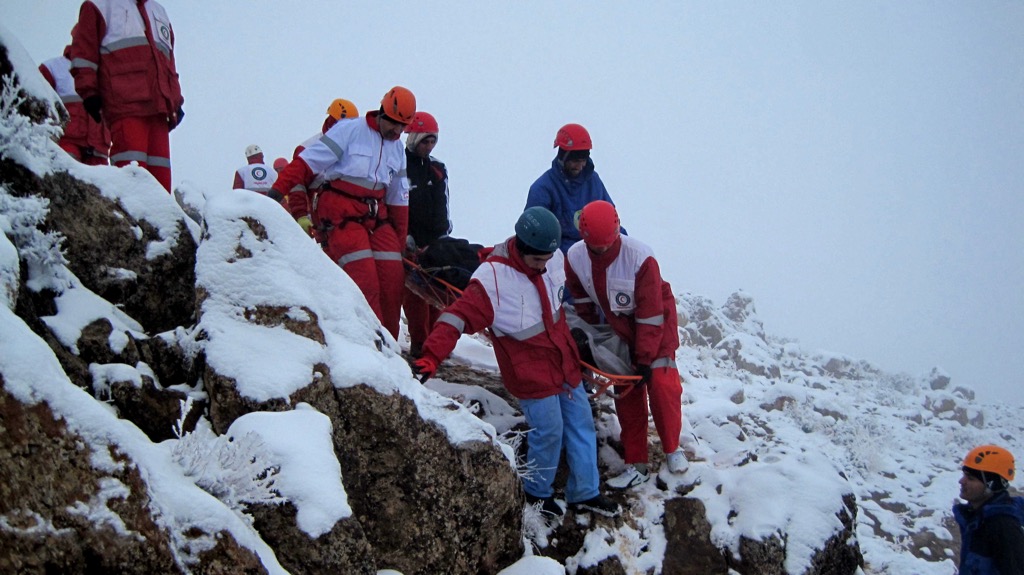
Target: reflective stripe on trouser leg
(580,440)
(349,247)
(666,400)
(387,257)
(146,141)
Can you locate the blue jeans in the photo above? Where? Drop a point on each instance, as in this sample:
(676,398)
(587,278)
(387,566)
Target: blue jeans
(558,421)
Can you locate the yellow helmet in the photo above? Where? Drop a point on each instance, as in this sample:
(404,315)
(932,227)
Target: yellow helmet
(341,109)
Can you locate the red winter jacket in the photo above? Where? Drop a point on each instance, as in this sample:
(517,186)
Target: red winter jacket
(81,130)
(626,283)
(123,51)
(522,307)
(353,161)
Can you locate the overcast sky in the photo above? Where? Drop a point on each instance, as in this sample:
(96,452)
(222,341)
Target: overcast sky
(857,168)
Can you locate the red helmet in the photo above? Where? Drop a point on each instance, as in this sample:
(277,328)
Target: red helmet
(280,163)
(399,105)
(599,224)
(422,123)
(573,137)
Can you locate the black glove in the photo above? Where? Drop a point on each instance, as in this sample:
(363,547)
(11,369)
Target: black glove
(92,106)
(644,371)
(275,195)
(176,120)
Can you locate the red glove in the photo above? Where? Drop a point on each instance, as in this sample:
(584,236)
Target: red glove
(424,368)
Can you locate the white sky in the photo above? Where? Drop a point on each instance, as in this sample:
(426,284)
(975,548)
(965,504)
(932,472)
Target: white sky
(855,168)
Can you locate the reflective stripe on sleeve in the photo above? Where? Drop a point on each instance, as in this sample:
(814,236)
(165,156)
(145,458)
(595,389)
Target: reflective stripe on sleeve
(452,320)
(663,362)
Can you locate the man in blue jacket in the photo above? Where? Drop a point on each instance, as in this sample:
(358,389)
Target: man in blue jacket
(570,184)
(991,535)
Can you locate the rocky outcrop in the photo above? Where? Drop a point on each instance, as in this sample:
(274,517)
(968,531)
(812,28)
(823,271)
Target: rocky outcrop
(51,495)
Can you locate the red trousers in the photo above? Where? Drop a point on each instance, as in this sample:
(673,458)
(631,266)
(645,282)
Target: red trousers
(85,154)
(373,259)
(421,317)
(146,141)
(665,394)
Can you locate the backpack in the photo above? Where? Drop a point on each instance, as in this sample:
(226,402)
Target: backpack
(452,260)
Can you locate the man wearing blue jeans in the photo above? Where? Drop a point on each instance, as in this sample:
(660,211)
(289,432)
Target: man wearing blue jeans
(517,293)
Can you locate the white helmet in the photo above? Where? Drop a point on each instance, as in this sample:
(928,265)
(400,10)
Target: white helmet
(252,151)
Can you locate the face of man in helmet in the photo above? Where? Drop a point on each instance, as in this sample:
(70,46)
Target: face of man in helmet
(537,262)
(389,129)
(425,146)
(574,167)
(973,490)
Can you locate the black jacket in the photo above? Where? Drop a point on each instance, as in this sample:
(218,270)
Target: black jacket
(428,199)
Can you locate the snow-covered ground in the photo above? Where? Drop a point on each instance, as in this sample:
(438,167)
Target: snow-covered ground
(768,440)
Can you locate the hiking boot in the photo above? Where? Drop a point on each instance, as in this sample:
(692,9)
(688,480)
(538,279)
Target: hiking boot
(631,477)
(416,350)
(677,462)
(548,505)
(600,505)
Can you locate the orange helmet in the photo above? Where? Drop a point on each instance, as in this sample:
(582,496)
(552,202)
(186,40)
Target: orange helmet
(422,123)
(399,105)
(341,109)
(991,459)
(280,164)
(599,224)
(573,137)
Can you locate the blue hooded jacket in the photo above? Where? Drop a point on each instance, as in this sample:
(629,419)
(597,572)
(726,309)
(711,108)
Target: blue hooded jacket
(991,540)
(565,197)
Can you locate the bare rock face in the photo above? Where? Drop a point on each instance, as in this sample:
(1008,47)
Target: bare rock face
(48,489)
(344,549)
(689,550)
(427,506)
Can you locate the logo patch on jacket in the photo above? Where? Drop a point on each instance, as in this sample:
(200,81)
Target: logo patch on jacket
(623,299)
(259,173)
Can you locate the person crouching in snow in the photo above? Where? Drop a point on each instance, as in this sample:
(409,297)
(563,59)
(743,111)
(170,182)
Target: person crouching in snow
(517,293)
(616,278)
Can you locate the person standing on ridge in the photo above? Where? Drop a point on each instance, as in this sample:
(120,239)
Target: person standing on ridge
(570,183)
(428,215)
(122,59)
(300,204)
(362,199)
(991,521)
(255,176)
(84,138)
(616,284)
(516,293)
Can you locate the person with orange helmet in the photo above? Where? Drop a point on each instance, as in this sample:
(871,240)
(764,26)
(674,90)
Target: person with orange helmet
(279,164)
(428,215)
(570,183)
(991,521)
(299,203)
(256,175)
(360,205)
(621,299)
